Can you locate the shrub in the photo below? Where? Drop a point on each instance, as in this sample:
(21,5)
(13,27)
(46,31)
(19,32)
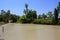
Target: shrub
(22,19)
(37,21)
(42,21)
(48,21)
(59,22)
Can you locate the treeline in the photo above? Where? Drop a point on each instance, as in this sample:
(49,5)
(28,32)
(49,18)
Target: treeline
(30,16)
(6,16)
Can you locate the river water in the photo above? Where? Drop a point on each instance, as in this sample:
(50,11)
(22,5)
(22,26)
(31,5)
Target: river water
(16,31)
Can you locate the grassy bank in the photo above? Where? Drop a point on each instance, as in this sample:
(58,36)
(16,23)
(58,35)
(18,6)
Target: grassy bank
(1,23)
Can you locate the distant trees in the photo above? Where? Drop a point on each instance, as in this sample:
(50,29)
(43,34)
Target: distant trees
(44,16)
(5,16)
(39,16)
(3,12)
(30,16)
(22,19)
(1,18)
(50,15)
(14,17)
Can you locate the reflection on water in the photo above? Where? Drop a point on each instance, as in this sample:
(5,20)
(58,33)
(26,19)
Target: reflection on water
(31,32)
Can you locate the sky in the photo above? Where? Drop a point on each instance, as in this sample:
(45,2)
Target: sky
(17,6)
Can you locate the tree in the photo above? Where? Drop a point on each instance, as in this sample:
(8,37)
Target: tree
(22,19)
(49,15)
(14,17)
(26,8)
(1,18)
(31,15)
(58,8)
(39,16)
(44,16)
(3,12)
(55,16)
(7,16)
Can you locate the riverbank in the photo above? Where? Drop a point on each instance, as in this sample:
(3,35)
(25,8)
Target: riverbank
(40,24)
(2,23)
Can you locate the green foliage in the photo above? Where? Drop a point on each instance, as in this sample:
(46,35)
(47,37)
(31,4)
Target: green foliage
(22,19)
(37,21)
(55,19)
(42,21)
(3,12)
(1,23)
(58,7)
(14,17)
(31,15)
(1,18)
(26,8)
(39,17)
(59,22)
(5,16)
(44,16)
(49,15)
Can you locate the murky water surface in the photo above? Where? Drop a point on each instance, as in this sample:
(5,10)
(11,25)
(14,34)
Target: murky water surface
(13,31)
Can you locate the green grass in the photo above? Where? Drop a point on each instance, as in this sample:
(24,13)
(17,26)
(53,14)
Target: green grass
(1,23)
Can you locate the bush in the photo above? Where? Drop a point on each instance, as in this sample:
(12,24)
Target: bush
(22,19)
(59,22)
(37,21)
(48,21)
(42,21)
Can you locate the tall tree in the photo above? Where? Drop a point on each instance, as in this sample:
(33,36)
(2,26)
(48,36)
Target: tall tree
(7,15)
(3,12)
(2,15)
(31,15)
(58,8)
(26,8)
(55,16)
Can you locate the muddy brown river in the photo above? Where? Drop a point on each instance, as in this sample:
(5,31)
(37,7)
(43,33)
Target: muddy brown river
(16,31)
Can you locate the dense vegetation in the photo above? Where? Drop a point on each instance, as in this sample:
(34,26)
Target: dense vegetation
(30,16)
(6,16)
